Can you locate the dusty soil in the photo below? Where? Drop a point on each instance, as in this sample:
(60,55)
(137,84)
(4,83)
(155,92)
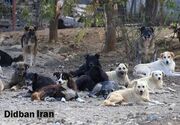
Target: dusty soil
(68,52)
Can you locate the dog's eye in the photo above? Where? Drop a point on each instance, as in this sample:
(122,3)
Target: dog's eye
(168,56)
(143,86)
(139,87)
(156,74)
(124,68)
(119,68)
(164,57)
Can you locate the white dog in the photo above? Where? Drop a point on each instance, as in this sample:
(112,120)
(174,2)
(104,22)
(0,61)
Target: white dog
(165,64)
(139,94)
(154,81)
(119,75)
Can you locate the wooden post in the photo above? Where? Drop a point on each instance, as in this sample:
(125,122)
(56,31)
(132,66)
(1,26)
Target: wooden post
(14,14)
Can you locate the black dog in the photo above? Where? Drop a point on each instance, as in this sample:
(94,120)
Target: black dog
(91,78)
(145,46)
(38,81)
(7,60)
(91,60)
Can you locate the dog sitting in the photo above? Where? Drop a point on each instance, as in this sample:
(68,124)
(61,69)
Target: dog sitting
(18,77)
(29,43)
(91,60)
(139,94)
(7,60)
(145,47)
(119,75)
(92,77)
(154,81)
(165,64)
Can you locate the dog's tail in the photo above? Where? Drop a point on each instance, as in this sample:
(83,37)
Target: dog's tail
(18,59)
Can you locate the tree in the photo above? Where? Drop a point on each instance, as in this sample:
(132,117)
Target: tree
(110,30)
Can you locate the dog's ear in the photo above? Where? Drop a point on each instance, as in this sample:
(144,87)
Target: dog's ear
(97,55)
(14,65)
(152,29)
(172,54)
(161,55)
(152,73)
(35,28)
(142,29)
(56,74)
(26,28)
(134,83)
(26,66)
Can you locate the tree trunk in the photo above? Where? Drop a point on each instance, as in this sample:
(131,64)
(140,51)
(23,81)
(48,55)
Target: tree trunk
(53,32)
(110,28)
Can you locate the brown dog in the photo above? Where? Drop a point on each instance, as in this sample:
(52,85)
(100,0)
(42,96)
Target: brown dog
(29,43)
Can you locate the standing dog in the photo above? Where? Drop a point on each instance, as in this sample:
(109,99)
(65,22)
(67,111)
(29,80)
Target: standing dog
(18,77)
(138,94)
(29,43)
(119,75)
(154,81)
(145,47)
(165,64)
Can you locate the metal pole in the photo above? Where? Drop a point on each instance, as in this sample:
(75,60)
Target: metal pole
(14,15)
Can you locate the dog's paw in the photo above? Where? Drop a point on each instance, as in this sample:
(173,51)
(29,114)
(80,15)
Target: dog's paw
(63,100)
(92,95)
(14,88)
(49,99)
(80,100)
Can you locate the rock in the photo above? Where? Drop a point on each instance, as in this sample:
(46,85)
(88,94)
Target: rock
(171,107)
(152,117)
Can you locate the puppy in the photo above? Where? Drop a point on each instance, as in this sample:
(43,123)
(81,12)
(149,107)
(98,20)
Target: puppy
(7,60)
(145,46)
(165,64)
(66,81)
(119,75)
(18,77)
(154,81)
(29,43)
(139,94)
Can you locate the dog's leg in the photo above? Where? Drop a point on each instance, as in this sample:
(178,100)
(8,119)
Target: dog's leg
(32,58)
(95,90)
(80,100)
(63,100)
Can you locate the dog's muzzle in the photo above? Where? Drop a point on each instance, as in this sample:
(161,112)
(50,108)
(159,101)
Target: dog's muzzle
(159,78)
(167,62)
(141,92)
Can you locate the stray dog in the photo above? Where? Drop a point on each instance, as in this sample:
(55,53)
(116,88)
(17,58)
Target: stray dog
(139,94)
(37,81)
(66,81)
(176,28)
(91,60)
(18,77)
(29,43)
(104,88)
(165,64)
(119,75)
(154,81)
(7,60)
(145,47)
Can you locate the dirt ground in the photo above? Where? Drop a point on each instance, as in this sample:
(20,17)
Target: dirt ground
(68,53)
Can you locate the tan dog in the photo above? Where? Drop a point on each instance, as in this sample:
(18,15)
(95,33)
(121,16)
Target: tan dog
(154,81)
(119,75)
(139,94)
(165,64)
(18,77)
(29,44)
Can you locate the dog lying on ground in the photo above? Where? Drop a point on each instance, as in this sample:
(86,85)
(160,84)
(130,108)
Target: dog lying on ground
(38,81)
(91,78)
(18,77)
(104,88)
(91,60)
(29,43)
(165,64)
(139,94)
(7,60)
(145,47)
(119,75)
(154,81)
(65,89)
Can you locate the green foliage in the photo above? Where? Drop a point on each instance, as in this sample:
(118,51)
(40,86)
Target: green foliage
(47,9)
(170,4)
(80,35)
(68,6)
(26,15)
